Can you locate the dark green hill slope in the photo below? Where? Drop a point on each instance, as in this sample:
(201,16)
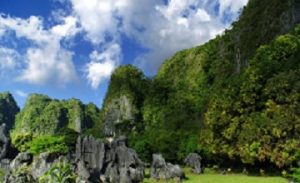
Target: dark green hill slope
(233,97)
(43,116)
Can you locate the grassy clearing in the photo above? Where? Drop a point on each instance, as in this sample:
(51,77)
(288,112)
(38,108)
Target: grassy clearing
(209,177)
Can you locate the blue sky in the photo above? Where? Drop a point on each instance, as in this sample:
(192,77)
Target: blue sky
(69,48)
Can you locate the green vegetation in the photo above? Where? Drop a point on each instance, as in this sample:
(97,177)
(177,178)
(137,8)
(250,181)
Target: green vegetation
(296,174)
(51,144)
(234,100)
(213,177)
(2,174)
(126,93)
(8,109)
(61,143)
(43,117)
(61,172)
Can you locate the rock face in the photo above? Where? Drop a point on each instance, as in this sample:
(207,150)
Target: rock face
(43,163)
(90,153)
(109,163)
(161,170)
(117,111)
(19,171)
(19,178)
(193,160)
(95,162)
(23,159)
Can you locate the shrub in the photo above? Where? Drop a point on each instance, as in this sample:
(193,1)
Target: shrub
(296,174)
(52,144)
(21,141)
(61,172)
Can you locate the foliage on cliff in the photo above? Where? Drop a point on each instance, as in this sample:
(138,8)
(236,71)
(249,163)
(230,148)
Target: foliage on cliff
(42,116)
(234,97)
(8,110)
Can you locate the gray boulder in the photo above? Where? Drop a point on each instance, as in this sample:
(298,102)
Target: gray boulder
(43,163)
(123,163)
(91,153)
(19,178)
(193,160)
(23,159)
(160,170)
(19,172)
(82,172)
(107,162)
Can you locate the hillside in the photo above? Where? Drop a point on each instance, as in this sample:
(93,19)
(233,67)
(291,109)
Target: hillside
(234,100)
(217,97)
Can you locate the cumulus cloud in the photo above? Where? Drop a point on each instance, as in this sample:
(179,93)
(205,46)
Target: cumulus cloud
(102,64)
(96,18)
(161,27)
(231,5)
(21,93)
(45,61)
(9,59)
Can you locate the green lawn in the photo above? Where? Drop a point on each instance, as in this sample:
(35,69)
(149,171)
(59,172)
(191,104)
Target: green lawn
(232,178)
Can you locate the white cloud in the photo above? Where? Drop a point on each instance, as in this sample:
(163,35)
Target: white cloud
(102,64)
(97,18)
(46,61)
(21,93)
(231,5)
(160,27)
(9,59)
(67,29)
(48,64)
(163,28)
(30,28)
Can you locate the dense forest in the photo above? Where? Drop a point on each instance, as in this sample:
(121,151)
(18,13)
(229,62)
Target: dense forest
(234,100)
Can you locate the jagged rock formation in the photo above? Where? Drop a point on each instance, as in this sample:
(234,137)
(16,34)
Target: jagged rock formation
(161,170)
(193,160)
(109,162)
(90,153)
(94,162)
(43,163)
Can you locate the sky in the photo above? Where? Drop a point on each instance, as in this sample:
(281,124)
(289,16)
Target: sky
(69,48)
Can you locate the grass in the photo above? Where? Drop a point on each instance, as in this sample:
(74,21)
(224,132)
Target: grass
(210,177)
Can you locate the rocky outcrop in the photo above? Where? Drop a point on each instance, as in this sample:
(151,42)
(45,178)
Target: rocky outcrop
(117,111)
(23,159)
(19,178)
(107,162)
(90,154)
(19,172)
(94,162)
(43,163)
(193,160)
(161,170)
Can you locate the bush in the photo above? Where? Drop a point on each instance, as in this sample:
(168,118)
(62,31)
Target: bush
(52,144)
(21,141)
(296,174)
(61,172)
